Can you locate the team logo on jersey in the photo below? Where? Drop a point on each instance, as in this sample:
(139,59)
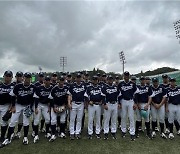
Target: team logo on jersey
(25,92)
(125,88)
(143,91)
(44,93)
(111,91)
(62,93)
(95,92)
(156,92)
(78,90)
(4,90)
(174,93)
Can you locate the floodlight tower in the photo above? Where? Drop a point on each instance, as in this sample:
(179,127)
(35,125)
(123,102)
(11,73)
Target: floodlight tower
(122,59)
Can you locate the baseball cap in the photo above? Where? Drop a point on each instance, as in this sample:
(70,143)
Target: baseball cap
(47,78)
(133,78)
(95,77)
(98,74)
(142,78)
(172,79)
(61,78)
(8,73)
(117,78)
(54,74)
(69,75)
(41,74)
(27,75)
(126,73)
(110,77)
(164,76)
(155,79)
(86,74)
(78,75)
(147,78)
(104,75)
(19,74)
(64,74)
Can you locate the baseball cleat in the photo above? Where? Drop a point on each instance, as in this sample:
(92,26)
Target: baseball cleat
(36,139)
(167,131)
(178,133)
(137,135)
(163,136)
(18,135)
(6,142)
(52,139)
(156,129)
(149,136)
(12,136)
(133,137)
(48,136)
(25,141)
(62,135)
(171,136)
(98,136)
(43,130)
(90,137)
(72,136)
(153,134)
(123,135)
(105,136)
(114,136)
(78,136)
(33,134)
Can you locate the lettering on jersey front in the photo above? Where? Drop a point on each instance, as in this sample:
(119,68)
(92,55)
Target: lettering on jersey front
(95,92)
(6,90)
(174,93)
(156,92)
(78,90)
(111,91)
(62,93)
(44,93)
(125,88)
(143,91)
(25,92)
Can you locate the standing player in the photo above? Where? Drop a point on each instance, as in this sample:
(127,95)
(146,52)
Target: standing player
(143,100)
(128,89)
(24,93)
(173,107)
(54,79)
(165,85)
(148,81)
(5,101)
(157,106)
(94,98)
(133,79)
(58,97)
(76,102)
(42,106)
(111,94)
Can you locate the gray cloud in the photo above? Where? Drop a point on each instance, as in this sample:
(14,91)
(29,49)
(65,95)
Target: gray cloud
(89,33)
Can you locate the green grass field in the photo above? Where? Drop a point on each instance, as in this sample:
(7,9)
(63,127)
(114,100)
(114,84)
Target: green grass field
(142,145)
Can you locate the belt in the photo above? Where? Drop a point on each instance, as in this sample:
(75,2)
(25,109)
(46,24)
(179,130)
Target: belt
(127,99)
(96,103)
(113,102)
(78,102)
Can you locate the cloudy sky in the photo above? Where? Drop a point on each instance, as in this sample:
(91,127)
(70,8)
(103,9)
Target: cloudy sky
(89,33)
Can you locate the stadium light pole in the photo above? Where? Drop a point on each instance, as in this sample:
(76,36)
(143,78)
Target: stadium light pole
(122,59)
(177,29)
(63,62)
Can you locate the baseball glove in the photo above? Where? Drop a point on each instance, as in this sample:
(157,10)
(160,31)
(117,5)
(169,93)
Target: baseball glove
(28,111)
(7,116)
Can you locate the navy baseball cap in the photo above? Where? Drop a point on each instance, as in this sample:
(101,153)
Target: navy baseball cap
(19,74)
(78,75)
(64,74)
(47,78)
(86,74)
(172,79)
(142,78)
(61,78)
(27,75)
(110,77)
(54,74)
(104,75)
(155,79)
(8,73)
(147,78)
(98,74)
(41,74)
(117,78)
(126,73)
(164,76)
(94,77)
(69,75)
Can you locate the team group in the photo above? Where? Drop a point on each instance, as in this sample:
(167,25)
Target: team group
(57,101)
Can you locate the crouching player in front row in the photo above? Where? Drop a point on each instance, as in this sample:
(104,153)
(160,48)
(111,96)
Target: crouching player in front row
(42,106)
(58,97)
(173,105)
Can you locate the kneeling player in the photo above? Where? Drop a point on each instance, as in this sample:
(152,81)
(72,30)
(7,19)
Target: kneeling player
(58,97)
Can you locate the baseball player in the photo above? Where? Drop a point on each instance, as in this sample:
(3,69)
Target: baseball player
(133,79)
(54,79)
(76,102)
(58,97)
(148,81)
(173,105)
(111,94)
(143,100)
(94,98)
(19,79)
(5,101)
(42,106)
(157,106)
(165,85)
(127,89)
(24,93)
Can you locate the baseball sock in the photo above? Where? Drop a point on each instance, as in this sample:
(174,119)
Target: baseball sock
(138,123)
(33,125)
(47,128)
(83,121)
(147,124)
(10,132)
(42,123)
(171,127)
(154,125)
(58,121)
(36,129)
(176,125)
(53,129)
(19,127)
(62,127)
(119,120)
(166,123)
(3,132)
(162,127)
(26,130)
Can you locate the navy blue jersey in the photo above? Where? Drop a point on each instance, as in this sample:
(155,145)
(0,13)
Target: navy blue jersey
(173,95)
(165,86)
(111,93)
(42,93)
(87,83)
(77,92)
(24,94)
(37,84)
(68,84)
(94,93)
(102,84)
(53,84)
(127,90)
(59,95)
(142,94)
(157,93)
(5,89)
